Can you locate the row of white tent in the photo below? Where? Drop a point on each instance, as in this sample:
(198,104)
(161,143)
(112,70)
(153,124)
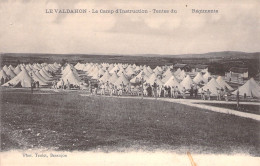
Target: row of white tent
(119,73)
(25,74)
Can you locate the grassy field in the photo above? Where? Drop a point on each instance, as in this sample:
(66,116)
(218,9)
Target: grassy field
(68,121)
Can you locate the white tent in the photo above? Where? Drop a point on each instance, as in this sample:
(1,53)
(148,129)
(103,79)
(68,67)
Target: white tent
(130,71)
(172,82)
(138,78)
(153,79)
(120,80)
(223,83)
(23,77)
(198,78)
(206,76)
(5,68)
(17,70)
(10,73)
(71,78)
(105,77)
(181,75)
(250,88)
(36,78)
(113,78)
(46,72)
(213,86)
(11,67)
(187,82)
(178,71)
(44,75)
(146,72)
(40,76)
(115,69)
(3,74)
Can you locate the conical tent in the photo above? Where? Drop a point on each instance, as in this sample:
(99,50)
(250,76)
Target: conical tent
(187,82)
(138,78)
(177,72)
(36,78)
(153,79)
(5,68)
(146,71)
(46,72)
(167,73)
(23,77)
(172,82)
(223,83)
(181,75)
(206,76)
(213,86)
(130,71)
(71,78)
(10,73)
(36,67)
(157,71)
(113,78)
(44,75)
(198,78)
(149,69)
(120,80)
(40,76)
(11,67)
(250,88)
(105,77)
(17,70)
(3,74)
(137,68)
(115,69)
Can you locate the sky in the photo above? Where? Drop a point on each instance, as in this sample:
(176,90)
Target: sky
(25,27)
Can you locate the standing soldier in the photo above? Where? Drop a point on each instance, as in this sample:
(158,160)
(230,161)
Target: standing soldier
(31,83)
(62,84)
(68,84)
(208,94)
(183,93)
(202,94)
(237,98)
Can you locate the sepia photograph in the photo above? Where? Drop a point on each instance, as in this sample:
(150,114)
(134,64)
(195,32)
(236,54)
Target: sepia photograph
(87,82)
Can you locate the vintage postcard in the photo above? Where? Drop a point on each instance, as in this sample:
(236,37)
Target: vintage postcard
(117,82)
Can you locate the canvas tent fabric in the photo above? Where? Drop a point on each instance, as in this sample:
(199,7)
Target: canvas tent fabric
(250,88)
(36,78)
(105,77)
(40,76)
(172,82)
(223,83)
(122,79)
(17,70)
(3,74)
(213,86)
(71,78)
(206,77)
(10,73)
(5,68)
(187,82)
(113,78)
(198,78)
(23,77)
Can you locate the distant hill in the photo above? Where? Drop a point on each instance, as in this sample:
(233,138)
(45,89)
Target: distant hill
(224,54)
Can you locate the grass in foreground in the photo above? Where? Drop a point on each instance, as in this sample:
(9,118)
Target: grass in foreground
(67,121)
